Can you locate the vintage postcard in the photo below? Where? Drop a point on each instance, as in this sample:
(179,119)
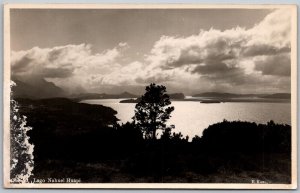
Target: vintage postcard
(156,96)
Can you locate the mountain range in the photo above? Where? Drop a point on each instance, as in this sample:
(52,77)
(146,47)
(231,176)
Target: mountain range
(37,89)
(85,96)
(221,95)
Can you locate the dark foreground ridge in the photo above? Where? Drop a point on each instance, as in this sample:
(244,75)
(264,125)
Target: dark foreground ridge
(82,141)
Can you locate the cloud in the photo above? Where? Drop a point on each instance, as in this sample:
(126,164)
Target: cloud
(270,37)
(264,49)
(234,60)
(64,65)
(231,57)
(55,62)
(20,65)
(279,65)
(275,30)
(63,60)
(212,45)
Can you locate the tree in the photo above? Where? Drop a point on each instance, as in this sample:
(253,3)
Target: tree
(153,110)
(21,158)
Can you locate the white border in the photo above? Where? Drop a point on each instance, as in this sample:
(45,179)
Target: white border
(6,98)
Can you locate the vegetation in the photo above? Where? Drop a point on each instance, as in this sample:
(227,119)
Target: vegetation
(153,111)
(83,141)
(21,161)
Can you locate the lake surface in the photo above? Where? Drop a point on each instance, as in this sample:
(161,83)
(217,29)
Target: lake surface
(192,117)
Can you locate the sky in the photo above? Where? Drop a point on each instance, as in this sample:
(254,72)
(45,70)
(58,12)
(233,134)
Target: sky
(187,50)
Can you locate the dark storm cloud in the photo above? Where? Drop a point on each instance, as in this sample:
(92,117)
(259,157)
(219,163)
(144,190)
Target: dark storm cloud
(231,76)
(194,56)
(213,67)
(21,65)
(260,50)
(56,72)
(279,65)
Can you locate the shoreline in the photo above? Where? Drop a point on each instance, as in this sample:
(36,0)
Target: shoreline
(213,100)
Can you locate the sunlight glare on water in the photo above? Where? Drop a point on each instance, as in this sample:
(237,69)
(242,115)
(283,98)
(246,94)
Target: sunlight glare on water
(191,117)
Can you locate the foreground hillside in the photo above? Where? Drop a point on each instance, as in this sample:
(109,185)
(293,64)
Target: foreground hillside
(82,141)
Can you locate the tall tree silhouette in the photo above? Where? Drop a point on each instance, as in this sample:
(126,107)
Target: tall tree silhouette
(153,110)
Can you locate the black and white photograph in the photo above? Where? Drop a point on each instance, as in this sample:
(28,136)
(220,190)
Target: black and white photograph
(150,96)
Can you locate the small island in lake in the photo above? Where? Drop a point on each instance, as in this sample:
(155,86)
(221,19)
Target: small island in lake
(173,96)
(216,97)
(210,101)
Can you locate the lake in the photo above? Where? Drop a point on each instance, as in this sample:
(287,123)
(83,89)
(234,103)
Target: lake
(192,117)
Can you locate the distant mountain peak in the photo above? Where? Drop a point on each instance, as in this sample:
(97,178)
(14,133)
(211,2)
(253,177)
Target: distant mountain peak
(36,89)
